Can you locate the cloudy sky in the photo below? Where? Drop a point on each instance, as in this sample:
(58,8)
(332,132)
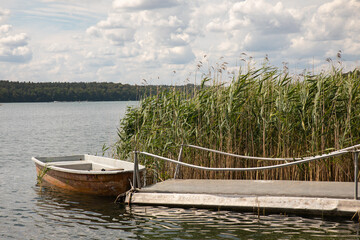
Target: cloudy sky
(163,41)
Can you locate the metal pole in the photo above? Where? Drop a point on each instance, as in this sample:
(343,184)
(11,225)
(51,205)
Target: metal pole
(356,172)
(135,169)
(179,160)
(138,175)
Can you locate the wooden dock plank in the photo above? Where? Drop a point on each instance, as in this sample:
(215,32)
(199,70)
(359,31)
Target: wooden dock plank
(256,188)
(325,198)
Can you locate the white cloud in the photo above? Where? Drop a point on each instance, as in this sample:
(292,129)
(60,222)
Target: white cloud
(262,16)
(13,47)
(119,36)
(178,55)
(14,41)
(4,14)
(19,54)
(57,48)
(335,20)
(330,27)
(254,26)
(265,43)
(5,29)
(143,4)
(149,32)
(105,40)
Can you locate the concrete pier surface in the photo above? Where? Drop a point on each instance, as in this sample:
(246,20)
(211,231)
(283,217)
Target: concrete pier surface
(304,197)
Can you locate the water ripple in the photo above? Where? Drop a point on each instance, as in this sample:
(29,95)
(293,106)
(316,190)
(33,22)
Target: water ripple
(45,213)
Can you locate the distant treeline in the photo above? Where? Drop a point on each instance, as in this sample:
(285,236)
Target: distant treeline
(76,91)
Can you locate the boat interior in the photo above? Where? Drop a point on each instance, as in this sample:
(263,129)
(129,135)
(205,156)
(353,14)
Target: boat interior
(87,166)
(86,163)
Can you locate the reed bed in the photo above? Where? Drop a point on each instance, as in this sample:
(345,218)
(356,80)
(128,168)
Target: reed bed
(260,112)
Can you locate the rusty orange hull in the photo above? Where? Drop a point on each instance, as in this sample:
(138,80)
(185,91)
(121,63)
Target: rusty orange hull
(106,182)
(103,185)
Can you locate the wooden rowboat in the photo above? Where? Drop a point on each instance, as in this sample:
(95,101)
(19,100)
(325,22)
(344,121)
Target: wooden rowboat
(86,174)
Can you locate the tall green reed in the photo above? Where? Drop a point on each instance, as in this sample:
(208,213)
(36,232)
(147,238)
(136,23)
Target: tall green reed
(260,112)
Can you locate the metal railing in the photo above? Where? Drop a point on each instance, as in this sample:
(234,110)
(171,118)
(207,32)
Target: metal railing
(294,161)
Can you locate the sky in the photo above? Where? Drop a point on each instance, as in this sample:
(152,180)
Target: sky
(172,41)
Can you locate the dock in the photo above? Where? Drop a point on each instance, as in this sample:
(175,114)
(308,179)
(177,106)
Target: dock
(261,197)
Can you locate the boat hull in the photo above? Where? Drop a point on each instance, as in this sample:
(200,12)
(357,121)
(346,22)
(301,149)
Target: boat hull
(88,174)
(94,184)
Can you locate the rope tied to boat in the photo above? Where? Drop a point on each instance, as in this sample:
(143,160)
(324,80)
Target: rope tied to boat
(121,198)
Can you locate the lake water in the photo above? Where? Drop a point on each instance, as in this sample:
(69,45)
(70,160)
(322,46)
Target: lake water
(30,212)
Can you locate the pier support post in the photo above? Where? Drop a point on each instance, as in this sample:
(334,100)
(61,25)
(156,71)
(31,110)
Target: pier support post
(136,174)
(179,160)
(356,172)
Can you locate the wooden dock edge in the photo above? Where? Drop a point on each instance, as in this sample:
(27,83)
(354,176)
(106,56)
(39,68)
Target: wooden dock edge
(258,204)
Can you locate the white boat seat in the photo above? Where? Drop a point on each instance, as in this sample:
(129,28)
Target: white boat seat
(84,165)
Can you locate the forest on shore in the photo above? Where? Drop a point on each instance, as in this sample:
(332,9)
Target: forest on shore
(75,91)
